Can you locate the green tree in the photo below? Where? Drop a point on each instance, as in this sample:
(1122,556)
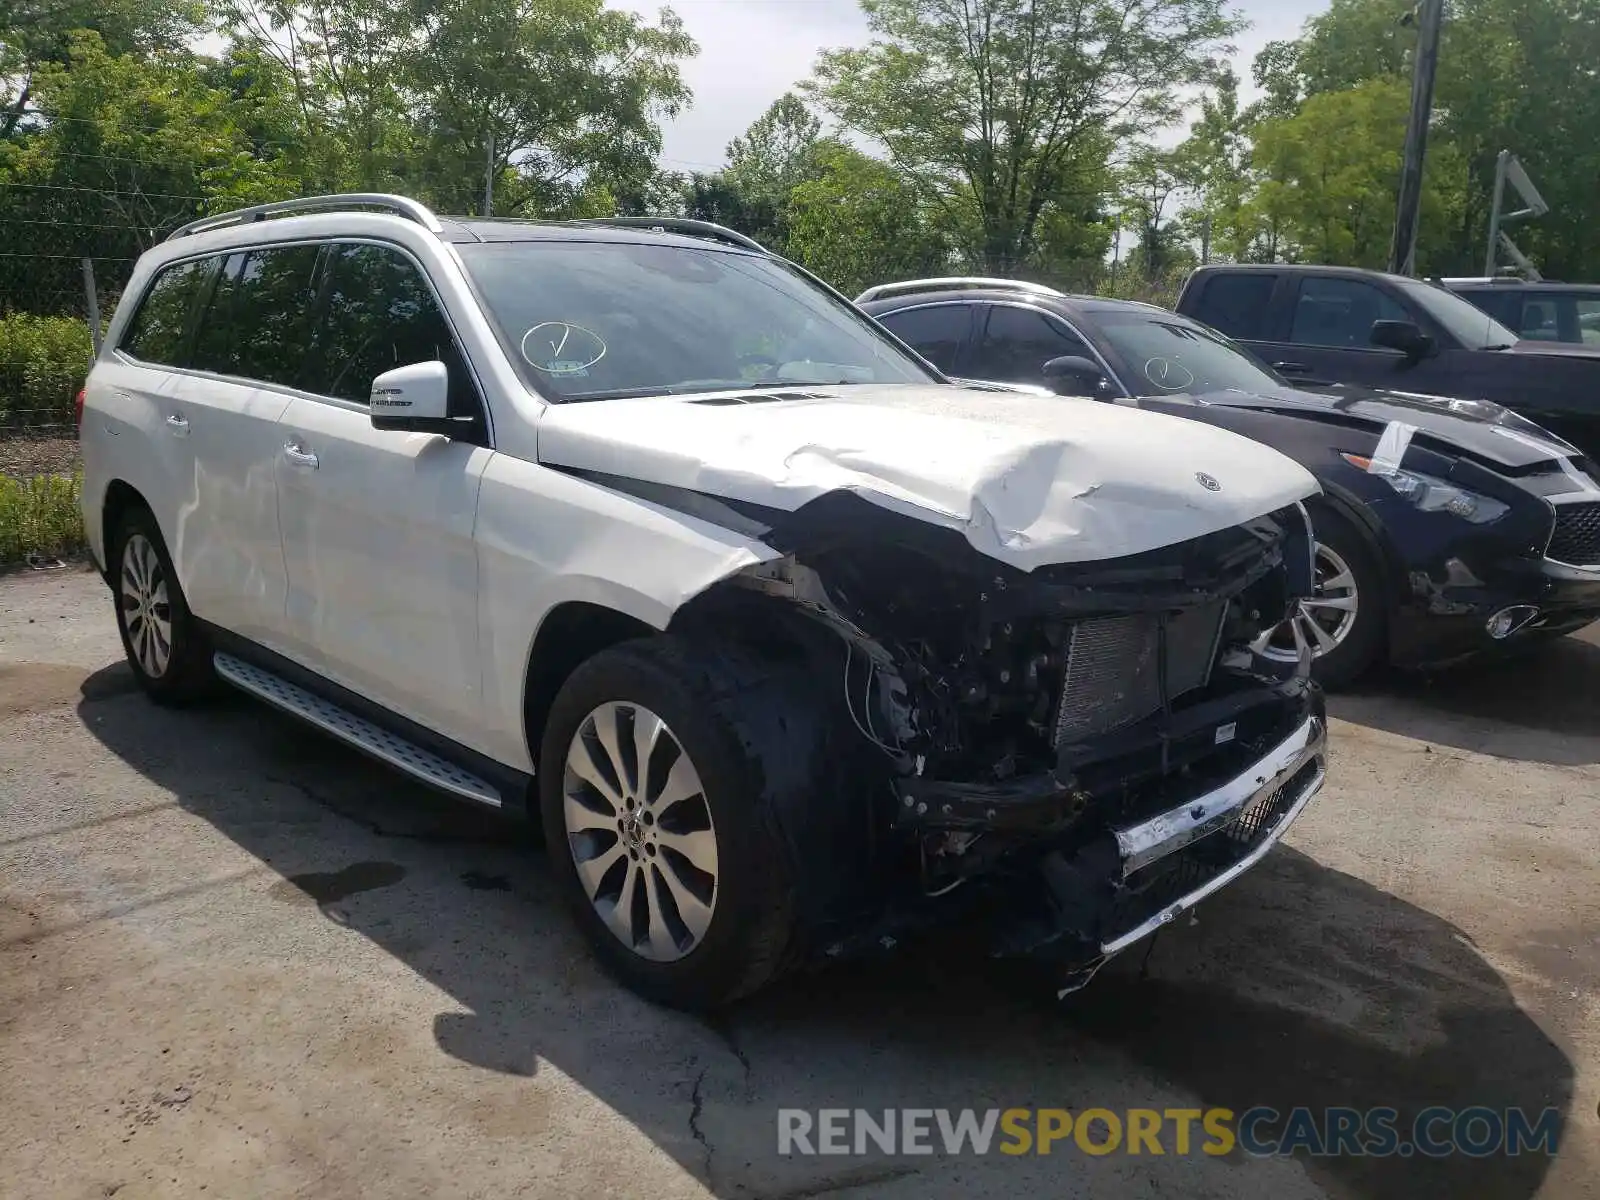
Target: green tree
(35,34)
(988,105)
(1332,171)
(1514,75)
(568,94)
(767,162)
(122,148)
(859,223)
(560,99)
(1217,156)
(777,151)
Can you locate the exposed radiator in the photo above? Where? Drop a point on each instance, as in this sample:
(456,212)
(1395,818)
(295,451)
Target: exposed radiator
(1113,674)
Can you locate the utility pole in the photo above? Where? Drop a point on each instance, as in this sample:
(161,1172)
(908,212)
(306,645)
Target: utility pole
(1205,240)
(1408,213)
(488,180)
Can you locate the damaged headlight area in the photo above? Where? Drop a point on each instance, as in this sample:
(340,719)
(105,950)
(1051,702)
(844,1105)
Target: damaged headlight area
(1430,494)
(1080,751)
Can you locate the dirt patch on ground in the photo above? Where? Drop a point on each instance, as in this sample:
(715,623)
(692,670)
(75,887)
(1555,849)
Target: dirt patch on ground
(24,457)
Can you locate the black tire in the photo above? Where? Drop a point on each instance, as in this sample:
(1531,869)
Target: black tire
(1367,641)
(185,673)
(721,707)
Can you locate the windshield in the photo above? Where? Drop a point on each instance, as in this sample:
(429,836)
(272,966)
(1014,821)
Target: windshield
(1167,355)
(1464,321)
(606,320)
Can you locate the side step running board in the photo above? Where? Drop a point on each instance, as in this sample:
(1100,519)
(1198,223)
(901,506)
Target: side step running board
(357,731)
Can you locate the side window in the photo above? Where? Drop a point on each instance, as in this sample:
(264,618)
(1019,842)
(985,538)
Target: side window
(1340,312)
(1017,342)
(1588,320)
(1503,306)
(258,325)
(157,332)
(935,332)
(381,315)
(1541,318)
(1236,304)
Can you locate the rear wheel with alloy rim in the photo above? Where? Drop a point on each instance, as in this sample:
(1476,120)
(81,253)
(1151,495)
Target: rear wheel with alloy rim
(165,645)
(1342,622)
(654,797)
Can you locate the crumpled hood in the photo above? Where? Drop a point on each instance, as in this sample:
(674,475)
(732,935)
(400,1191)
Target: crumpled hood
(1030,480)
(1478,429)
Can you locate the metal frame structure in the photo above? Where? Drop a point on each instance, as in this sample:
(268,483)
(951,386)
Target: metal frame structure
(1508,169)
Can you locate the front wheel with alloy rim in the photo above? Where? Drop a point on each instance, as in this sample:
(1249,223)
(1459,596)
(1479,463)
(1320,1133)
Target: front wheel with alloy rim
(165,645)
(651,789)
(1342,622)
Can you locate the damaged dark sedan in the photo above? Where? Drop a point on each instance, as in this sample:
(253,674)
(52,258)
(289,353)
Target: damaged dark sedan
(1446,528)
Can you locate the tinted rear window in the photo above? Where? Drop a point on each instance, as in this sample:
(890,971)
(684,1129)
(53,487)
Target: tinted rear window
(157,332)
(1237,304)
(258,325)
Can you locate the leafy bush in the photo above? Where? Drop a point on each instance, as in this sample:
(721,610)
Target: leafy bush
(40,516)
(43,361)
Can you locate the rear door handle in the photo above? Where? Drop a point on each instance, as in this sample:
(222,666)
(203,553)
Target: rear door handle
(299,456)
(179,424)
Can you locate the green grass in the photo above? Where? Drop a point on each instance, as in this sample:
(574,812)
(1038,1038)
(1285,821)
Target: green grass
(40,515)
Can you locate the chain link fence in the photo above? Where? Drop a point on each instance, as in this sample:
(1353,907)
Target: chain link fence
(66,252)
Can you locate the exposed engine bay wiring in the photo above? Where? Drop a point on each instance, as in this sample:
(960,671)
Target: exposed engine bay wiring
(866,730)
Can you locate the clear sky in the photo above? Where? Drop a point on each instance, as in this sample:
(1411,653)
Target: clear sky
(752,51)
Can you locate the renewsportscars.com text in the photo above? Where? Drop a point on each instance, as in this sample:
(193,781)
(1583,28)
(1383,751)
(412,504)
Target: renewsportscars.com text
(1438,1132)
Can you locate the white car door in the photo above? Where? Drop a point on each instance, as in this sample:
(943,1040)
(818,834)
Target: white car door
(215,427)
(378,525)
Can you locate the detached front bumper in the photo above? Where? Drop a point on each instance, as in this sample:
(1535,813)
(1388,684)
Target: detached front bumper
(1085,902)
(1173,861)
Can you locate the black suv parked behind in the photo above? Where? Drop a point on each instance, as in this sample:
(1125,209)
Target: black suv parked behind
(1322,325)
(1444,528)
(1564,315)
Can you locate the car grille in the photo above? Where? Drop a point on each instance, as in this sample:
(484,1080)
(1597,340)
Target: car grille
(1577,536)
(1149,890)
(1113,673)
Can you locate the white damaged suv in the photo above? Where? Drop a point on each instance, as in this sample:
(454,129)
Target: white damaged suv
(793,646)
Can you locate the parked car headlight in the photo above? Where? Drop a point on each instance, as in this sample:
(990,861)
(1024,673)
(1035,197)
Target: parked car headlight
(1431,494)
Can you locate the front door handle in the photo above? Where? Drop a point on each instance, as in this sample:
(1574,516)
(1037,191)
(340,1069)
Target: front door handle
(179,425)
(299,456)
(1291,368)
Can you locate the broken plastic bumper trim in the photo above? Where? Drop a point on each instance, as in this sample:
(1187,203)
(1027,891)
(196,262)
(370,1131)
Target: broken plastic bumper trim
(1153,840)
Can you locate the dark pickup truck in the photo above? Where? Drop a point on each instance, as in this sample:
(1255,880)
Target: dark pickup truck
(1329,325)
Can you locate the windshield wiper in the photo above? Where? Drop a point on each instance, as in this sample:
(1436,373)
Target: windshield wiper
(615,394)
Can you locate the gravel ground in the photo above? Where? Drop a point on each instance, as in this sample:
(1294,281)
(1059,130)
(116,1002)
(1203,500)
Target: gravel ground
(21,457)
(239,960)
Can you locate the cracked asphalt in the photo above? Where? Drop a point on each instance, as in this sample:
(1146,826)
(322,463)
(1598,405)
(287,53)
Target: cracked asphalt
(238,959)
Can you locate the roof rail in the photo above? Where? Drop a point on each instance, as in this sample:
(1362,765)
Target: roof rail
(400,206)
(954,282)
(683,225)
